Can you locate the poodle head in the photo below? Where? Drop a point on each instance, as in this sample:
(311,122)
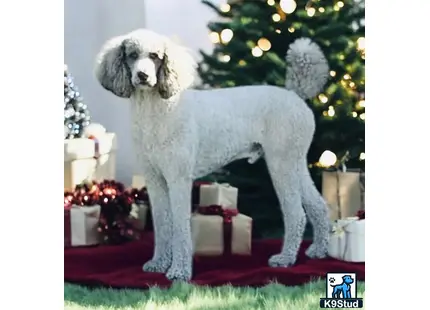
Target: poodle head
(348,279)
(144,61)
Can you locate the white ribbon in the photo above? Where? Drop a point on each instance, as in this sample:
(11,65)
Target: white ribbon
(339,232)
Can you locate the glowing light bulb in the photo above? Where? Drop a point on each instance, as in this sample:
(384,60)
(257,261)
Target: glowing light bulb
(333,73)
(264,44)
(276,17)
(336,7)
(311,12)
(288,6)
(226,35)
(352,84)
(225,7)
(225,58)
(271,2)
(347,76)
(354,114)
(322,10)
(331,111)
(242,62)
(340,4)
(256,51)
(291,29)
(361,103)
(323,98)
(362,116)
(327,158)
(362,156)
(214,37)
(361,43)
(278,30)
(341,57)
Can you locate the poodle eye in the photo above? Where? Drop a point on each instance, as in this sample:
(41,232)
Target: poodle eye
(153,55)
(133,55)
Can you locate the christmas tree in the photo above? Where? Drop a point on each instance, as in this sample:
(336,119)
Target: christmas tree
(251,39)
(76,114)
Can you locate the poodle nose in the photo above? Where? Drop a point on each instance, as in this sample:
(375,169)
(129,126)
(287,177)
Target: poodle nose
(142,76)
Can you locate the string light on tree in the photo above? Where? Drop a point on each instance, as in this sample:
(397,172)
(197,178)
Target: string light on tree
(321,10)
(291,29)
(271,2)
(331,111)
(362,116)
(264,44)
(361,104)
(214,37)
(225,7)
(225,58)
(242,63)
(346,77)
(362,156)
(311,12)
(340,4)
(332,73)
(361,44)
(276,17)
(327,159)
(323,98)
(278,31)
(354,114)
(288,6)
(257,52)
(226,35)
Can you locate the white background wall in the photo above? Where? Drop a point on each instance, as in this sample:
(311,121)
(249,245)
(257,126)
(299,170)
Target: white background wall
(88,24)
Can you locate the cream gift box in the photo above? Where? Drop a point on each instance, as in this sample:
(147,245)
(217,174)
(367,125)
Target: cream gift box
(208,234)
(344,192)
(347,240)
(223,195)
(81,225)
(89,159)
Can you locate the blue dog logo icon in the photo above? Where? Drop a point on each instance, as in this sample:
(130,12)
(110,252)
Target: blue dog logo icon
(343,289)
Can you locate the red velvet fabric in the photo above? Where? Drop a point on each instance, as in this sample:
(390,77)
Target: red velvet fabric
(121,267)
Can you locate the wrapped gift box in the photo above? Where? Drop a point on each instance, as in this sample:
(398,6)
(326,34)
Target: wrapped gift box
(89,159)
(347,240)
(229,233)
(218,194)
(343,192)
(139,213)
(81,226)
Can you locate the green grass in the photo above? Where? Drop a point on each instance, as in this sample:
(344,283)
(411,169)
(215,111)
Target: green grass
(189,297)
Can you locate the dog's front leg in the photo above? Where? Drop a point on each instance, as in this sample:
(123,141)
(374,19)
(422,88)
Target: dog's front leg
(182,252)
(162,222)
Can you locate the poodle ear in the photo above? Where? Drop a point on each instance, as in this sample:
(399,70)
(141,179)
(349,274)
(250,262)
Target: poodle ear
(111,70)
(177,70)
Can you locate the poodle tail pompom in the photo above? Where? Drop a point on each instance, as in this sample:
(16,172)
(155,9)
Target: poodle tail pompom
(307,68)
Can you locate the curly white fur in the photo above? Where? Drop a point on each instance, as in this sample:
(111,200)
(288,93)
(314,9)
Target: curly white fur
(181,134)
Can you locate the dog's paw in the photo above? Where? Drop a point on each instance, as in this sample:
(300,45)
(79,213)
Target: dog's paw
(179,274)
(316,251)
(158,265)
(280,260)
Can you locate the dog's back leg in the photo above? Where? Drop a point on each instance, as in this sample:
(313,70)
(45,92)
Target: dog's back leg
(317,212)
(284,175)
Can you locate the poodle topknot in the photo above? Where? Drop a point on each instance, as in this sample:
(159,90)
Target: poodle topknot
(181,134)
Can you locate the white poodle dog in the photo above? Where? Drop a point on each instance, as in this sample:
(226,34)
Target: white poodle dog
(181,134)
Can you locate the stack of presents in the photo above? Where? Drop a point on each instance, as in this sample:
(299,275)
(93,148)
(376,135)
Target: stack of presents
(99,210)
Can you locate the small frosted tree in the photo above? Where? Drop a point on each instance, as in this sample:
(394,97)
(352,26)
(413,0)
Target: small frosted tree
(76,114)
